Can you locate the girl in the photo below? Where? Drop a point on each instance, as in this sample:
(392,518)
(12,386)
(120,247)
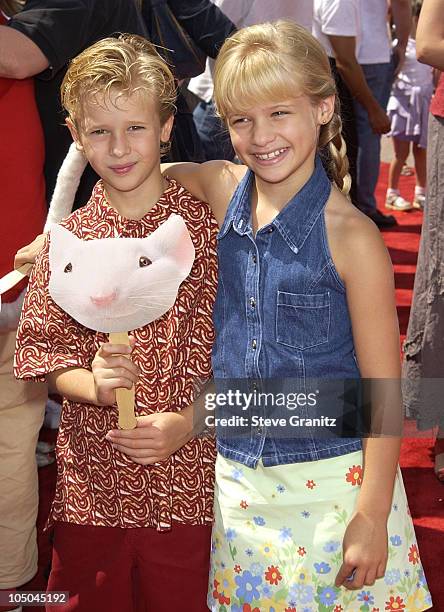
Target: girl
(305,292)
(408,109)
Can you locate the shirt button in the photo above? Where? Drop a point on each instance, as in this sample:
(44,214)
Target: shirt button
(252,302)
(270,230)
(259,431)
(254,343)
(254,258)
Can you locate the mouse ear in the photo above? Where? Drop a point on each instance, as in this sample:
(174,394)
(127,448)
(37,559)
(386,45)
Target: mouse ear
(62,243)
(174,240)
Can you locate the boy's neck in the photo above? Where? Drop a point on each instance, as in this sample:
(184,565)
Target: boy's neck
(135,204)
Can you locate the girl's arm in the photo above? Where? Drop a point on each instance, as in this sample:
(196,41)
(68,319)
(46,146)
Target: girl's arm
(213,182)
(365,267)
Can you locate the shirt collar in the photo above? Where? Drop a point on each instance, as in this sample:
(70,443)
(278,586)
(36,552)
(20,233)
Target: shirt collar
(296,219)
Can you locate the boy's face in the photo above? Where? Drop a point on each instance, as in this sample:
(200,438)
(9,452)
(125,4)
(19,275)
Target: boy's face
(120,136)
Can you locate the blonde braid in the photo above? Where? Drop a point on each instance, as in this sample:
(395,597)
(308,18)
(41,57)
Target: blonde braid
(337,160)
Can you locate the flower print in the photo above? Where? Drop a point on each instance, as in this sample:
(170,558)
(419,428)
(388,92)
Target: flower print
(303,577)
(230,534)
(257,569)
(301,593)
(285,534)
(249,552)
(273,575)
(247,586)
(407,573)
(396,540)
(327,596)
(301,551)
(290,609)
(395,604)
(267,592)
(392,576)
(220,596)
(331,547)
(267,549)
(338,608)
(354,475)
(421,578)
(243,608)
(413,554)
(237,569)
(225,585)
(305,514)
(322,568)
(259,520)
(416,601)
(243,504)
(237,473)
(367,597)
(310,484)
(280,488)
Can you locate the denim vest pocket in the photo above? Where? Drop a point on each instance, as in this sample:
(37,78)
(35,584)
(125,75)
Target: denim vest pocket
(302,320)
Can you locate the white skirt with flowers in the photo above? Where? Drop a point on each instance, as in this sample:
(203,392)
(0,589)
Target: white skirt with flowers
(277,541)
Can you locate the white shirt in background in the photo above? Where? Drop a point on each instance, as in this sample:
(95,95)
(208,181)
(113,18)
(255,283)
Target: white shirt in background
(336,18)
(249,12)
(375,39)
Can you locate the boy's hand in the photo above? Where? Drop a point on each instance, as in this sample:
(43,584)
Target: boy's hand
(156,437)
(112,370)
(28,253)
(365,551)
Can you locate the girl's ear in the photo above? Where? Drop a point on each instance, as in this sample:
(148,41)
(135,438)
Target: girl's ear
(326,109)
(74,133)
(165,130)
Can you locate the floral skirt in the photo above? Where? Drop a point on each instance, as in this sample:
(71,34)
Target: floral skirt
(277,541)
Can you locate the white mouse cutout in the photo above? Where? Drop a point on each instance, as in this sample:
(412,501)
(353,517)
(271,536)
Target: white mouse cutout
(115,285)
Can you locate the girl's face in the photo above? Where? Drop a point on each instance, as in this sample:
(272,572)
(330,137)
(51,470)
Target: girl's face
(278,141)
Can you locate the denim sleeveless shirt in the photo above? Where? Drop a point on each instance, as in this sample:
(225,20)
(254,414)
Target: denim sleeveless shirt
(281,315)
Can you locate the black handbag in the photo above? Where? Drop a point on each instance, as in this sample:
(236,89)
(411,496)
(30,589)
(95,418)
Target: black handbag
(184,57)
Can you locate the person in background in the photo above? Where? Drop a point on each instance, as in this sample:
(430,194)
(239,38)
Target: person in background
(423,367)
(336,24)
(40,41)
(379,68)
(22,404)
(408,109)
(213,134)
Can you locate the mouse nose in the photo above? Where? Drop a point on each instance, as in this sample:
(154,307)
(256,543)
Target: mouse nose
(103,300)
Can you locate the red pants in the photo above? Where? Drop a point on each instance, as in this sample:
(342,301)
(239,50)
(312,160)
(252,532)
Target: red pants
(107,569)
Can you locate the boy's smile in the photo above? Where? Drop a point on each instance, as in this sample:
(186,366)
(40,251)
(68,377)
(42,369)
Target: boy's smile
(120,136)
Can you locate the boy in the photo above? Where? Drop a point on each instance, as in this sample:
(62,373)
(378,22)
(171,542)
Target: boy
(115,520)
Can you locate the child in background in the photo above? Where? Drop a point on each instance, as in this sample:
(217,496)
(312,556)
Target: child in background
(408,109)
(126,531)
(305,293)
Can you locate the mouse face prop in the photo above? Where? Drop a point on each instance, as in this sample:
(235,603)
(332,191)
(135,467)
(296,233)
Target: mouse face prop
(119,284)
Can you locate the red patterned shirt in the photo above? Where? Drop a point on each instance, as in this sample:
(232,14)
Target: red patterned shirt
(97,485)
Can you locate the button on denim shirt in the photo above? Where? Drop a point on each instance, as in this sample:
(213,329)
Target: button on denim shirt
(281,313)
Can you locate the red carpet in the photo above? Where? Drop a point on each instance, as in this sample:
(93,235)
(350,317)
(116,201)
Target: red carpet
(425,493)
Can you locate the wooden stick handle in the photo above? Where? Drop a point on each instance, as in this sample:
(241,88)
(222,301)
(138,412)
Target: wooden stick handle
(125,397)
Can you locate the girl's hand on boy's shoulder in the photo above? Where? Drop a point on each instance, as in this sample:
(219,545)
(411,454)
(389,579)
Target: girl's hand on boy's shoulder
(365,550)
(112,369)
(156,437)
(29,252)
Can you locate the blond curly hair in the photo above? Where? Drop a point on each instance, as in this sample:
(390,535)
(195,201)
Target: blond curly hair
(126,65)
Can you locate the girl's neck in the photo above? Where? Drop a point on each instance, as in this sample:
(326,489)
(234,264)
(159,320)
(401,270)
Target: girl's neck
(268,199)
